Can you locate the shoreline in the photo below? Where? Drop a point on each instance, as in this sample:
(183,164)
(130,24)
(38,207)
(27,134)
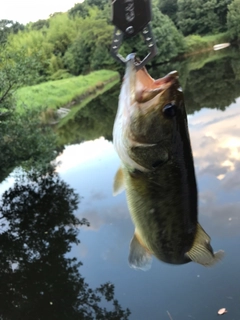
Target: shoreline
(65,93)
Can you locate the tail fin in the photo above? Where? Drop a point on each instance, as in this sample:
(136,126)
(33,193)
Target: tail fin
(202,252)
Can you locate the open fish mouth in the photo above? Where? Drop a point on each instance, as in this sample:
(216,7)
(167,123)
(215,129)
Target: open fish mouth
(146,108)
(142,86)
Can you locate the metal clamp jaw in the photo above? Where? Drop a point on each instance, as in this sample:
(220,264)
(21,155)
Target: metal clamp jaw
(131,17)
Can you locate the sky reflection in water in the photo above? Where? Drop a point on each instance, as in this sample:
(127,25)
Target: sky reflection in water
(189,291)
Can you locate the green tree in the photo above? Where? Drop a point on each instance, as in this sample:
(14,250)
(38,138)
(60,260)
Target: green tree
(27,142)
(235,63)
(47,45)
(197,17)
(61,32)
(40,24)
(170,42)
(79,10)
(55,64)
(16,27)
(95,37)
(7,27)
(233,19)
(33,44)
(100,4)
(16,70)
(221,10)
(170,8)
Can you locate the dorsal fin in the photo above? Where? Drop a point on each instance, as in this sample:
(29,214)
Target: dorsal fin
(139,256)
(118,184)
(201,251)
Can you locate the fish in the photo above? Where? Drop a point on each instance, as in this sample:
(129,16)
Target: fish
(151,138)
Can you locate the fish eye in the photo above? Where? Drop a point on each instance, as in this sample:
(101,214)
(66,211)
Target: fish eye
(169,110)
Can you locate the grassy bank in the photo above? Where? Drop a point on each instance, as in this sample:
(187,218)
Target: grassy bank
(196,62)
(65,92)
(83,103)
(197,44)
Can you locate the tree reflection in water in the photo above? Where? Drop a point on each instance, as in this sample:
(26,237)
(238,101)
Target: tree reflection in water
(37,280)
(206,83)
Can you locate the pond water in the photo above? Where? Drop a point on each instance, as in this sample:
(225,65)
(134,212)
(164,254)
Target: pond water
(39,274)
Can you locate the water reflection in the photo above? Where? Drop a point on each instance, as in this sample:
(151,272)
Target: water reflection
(92,121)
(26,142)
(214,86)
(188,291)
(161,289)
(38,281)
(210,81)
(216,145)
(107,244)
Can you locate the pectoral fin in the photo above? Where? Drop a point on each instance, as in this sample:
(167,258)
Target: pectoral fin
(201,251)
(139,257)
(118,185)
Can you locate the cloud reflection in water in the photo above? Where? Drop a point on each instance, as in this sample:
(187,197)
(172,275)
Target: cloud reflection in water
(215,141)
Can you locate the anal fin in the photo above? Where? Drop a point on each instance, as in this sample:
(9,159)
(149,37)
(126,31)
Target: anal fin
(139,256)
(202,251)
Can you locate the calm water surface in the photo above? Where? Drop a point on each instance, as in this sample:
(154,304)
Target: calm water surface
(38,233)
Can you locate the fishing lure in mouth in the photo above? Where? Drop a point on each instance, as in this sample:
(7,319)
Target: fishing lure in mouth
(131,17)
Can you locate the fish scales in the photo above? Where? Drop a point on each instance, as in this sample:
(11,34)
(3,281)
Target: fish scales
(151,137)
(163,212)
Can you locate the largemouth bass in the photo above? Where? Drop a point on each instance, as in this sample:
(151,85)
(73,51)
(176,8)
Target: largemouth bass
(151,137)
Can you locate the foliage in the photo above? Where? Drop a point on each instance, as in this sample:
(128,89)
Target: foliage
(235,63)
(26,142)
(61,32)
(7,27)
(170,8)
(202,17)
(196,43)
(169,40)
(211,80)
(90,50)
(92,121)
(48,44)
(60,74)
(40,24)
(197,17)
(85,101)
(54,94)
(79,41)
(38,228)
(221,75)
(79,10)
(196,62)
(98,3)
(33,44)
(233,19)
(68,41)
(221,10)
(16,71)
(55,64)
